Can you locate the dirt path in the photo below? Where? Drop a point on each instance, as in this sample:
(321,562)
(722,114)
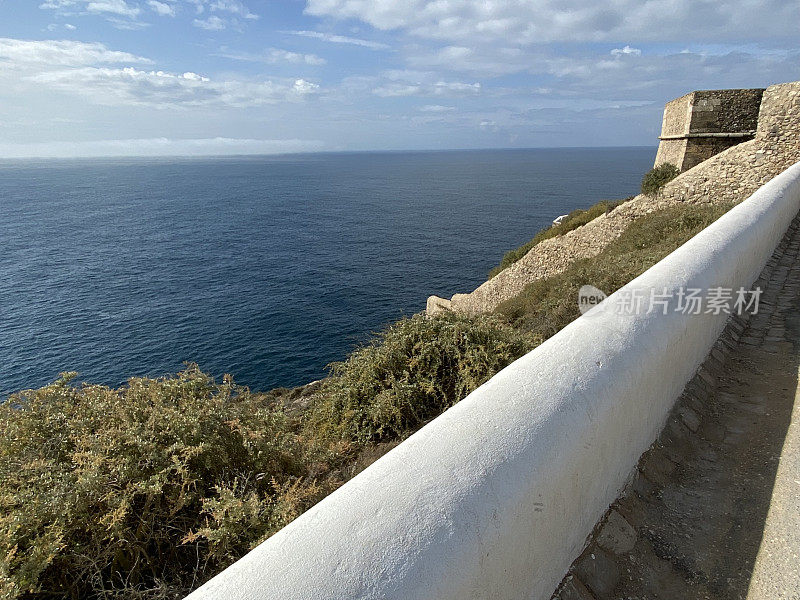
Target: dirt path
(714,512)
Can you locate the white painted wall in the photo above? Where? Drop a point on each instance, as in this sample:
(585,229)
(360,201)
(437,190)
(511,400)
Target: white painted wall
(495,498)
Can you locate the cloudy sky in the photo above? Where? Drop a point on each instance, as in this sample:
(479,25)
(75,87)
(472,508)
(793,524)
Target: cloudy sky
(144,77)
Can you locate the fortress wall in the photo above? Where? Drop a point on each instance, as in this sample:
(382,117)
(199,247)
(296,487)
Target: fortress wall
(730,176)
(677,115)
(496,497)
(672,151)
(704,123)
(737,172)
(730,111)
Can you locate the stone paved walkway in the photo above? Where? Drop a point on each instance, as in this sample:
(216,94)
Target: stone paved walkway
(714,511)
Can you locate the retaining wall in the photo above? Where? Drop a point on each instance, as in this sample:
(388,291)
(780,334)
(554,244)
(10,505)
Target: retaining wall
(496,497)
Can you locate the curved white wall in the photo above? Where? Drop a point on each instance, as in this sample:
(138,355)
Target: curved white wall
(495,498)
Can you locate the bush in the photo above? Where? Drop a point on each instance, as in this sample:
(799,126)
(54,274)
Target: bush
(658,177)
(575,219)
(413,371)
(148,490)
(142,491)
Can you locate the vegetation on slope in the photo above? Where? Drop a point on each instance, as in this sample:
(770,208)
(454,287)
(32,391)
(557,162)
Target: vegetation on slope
(148,490)
(415,370)
(657,177)
(547,305)
(575,219)
(137,492)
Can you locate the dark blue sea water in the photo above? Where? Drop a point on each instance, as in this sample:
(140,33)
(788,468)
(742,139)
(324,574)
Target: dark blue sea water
(267,268)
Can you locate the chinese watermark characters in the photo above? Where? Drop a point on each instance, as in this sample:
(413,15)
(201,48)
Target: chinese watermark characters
(687,301)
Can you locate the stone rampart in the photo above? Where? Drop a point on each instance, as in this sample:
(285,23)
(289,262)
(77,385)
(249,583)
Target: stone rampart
(704,123)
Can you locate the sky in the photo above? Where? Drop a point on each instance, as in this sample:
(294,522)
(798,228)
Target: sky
(205,77)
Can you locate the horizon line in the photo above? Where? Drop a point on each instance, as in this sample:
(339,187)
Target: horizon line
(312,153)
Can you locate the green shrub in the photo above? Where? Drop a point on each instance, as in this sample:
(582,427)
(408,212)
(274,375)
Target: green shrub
(658,177)
(146,491)
(142,491)
(575,219)
(412,372)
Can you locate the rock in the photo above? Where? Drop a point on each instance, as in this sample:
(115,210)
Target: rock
(599,572)
(573,589)
(436,305)
(689,418)
(617,535)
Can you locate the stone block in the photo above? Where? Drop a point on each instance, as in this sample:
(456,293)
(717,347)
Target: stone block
(617,535)
(599,572)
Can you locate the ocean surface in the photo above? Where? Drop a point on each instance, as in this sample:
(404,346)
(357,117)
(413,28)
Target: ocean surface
(268,268)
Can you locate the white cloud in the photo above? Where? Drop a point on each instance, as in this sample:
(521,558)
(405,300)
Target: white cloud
(444,88)
(231,7)
(436,108)
(339,39)
(119,13)
(161,8)
(394,90)
(118,8)
(626,50)
(303,87)
(437,88)
(107,77)
(115,7)
(212,23)
(160,89)
(53,53)
(55,26)
(538,21)
(158,147)
(273,56)
(491,61)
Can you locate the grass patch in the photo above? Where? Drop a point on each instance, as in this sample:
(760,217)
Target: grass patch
(545,306)
(575,219)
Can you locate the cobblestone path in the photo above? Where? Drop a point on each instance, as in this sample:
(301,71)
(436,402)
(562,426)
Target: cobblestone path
(714,511)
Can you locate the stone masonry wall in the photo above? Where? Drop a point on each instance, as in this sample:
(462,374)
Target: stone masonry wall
(697,150)
(704,123)
(730,176)
(677,115)
(730,111)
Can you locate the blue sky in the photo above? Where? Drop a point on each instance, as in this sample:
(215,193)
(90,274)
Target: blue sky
(153,77)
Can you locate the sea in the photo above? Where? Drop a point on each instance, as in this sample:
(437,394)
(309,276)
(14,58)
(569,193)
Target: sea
(268,268)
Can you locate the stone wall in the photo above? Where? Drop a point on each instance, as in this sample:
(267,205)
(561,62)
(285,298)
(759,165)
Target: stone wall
(676,116)
(675,125)
(704,123)
(729,111)
(730,176)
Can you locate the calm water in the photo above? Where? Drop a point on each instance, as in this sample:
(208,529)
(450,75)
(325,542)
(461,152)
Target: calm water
(267,268)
